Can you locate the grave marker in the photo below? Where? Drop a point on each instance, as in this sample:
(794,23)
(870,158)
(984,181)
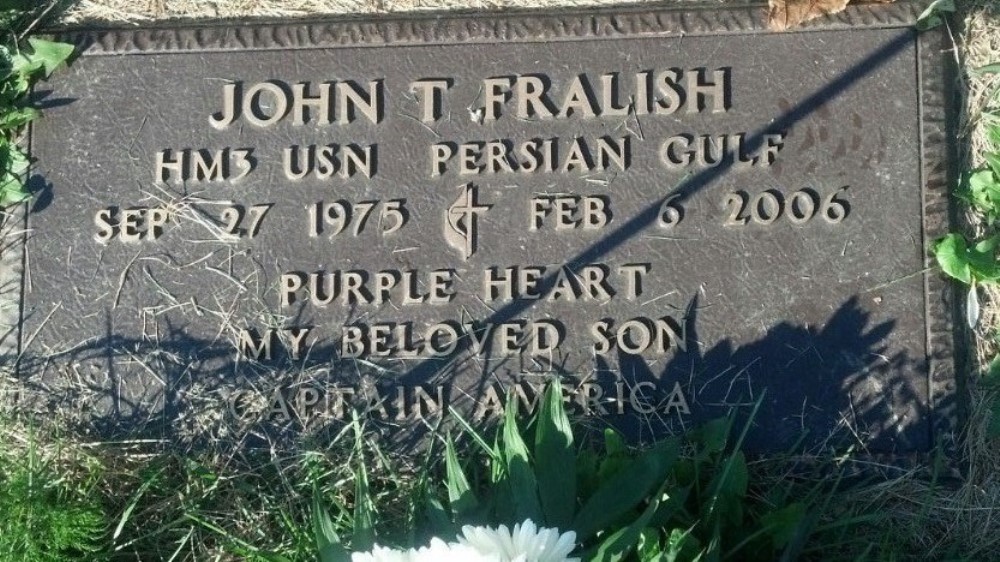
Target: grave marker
(678,211)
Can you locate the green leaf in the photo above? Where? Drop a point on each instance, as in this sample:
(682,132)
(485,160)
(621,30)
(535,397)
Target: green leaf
(932,16)
(17,117)
(981,189)
(993,133)
(626,489)
(12,189)
(672,505)
(982,259)
(49,54)
(23,67)
(13,193)
(616,455)
(327,542)
(713,435)
(728,490)
(952,255)
(991,379)
(13,159)
(460,495)
(681,547)
(555,461)
(783,523)
(620,543)
(993,161)
(648,547)
(988,69)
(523,485)
(614,443)
(738,479)
(363,537)
(437,517)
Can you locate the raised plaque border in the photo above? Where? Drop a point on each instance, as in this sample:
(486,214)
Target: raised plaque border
(935,73)
(634,21)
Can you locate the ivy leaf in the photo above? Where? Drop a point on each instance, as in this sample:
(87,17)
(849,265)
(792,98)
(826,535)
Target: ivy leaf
(23,67)
(952,255)
(14,159)
(993,161)
(981,189)
(12,191)
(17,117)
(49,54)
(983,261)
(993,132)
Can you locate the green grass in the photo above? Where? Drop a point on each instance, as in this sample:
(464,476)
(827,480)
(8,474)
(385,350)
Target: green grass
(48,509)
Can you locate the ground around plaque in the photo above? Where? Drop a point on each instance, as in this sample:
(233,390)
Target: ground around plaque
(143,500)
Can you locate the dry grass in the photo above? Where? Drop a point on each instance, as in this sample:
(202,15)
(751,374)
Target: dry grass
(131,11)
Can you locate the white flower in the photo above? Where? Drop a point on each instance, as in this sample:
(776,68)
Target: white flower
(382,554)
(526,543)
(440,551)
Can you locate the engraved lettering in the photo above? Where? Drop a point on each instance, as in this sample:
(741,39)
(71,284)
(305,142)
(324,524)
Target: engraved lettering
(326,161)
(531,101)
(503,156)
(302,99)
(708,151)
(263,111)
(190,165)
(430,94)
(717,90)
(136,224)
(639,335)
(570,211)
(634,274)
(266,104)
(252,347)
(496,92)
(296,337)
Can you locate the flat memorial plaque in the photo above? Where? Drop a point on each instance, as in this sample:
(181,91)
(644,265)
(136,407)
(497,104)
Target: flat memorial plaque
(678,212)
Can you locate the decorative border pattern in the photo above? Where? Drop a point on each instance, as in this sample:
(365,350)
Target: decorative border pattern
(945,337)
(567,25)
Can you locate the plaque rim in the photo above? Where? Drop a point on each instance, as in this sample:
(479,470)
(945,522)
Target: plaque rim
(468,27)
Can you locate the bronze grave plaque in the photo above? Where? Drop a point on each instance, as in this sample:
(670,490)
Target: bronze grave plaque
(676,211)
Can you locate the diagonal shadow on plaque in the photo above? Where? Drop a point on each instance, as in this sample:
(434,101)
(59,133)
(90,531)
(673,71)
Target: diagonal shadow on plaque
(826,387)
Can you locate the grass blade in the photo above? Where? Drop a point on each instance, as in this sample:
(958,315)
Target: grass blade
(555,461)
(363,537)
(460,496)
(471,431)
(523,485)
(327,541)
(127,514)
(988,69)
